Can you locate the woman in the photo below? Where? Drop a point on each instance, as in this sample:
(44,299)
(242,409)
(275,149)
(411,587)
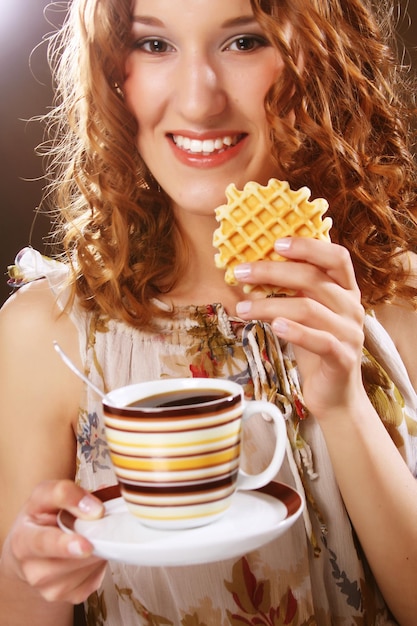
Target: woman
(160,106)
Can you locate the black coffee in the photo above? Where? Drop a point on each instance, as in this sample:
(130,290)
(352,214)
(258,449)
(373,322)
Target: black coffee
(182,397)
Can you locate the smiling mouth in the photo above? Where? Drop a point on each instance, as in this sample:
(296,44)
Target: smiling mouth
(206,146)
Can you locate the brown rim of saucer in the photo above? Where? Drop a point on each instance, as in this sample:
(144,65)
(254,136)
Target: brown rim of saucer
(286,494)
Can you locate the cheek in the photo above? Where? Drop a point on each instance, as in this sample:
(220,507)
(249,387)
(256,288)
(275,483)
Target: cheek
(261,83)
(140,91)
(268,76)
(131,95)
(146,97)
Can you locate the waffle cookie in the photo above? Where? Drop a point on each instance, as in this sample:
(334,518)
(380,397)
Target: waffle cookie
(255,217)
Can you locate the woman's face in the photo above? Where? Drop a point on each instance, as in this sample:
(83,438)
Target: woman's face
(196,82)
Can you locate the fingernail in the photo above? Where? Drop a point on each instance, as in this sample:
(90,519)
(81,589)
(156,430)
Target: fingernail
(242,271)
(280,327)
(281,245)
(89,506)
(244,307)
(75,548)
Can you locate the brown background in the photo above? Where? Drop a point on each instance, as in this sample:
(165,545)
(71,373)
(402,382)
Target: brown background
(25,89)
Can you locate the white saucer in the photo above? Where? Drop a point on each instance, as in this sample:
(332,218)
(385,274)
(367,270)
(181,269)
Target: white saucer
(253,519)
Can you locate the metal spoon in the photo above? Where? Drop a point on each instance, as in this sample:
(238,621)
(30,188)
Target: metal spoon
(75,369)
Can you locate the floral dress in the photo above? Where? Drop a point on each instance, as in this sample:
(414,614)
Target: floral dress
(313,575)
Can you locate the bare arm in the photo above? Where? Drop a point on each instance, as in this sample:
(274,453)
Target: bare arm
(399,319)
(39,405)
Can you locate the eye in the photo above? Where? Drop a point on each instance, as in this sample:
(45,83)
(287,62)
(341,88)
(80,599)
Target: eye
(247,43)
(153,45)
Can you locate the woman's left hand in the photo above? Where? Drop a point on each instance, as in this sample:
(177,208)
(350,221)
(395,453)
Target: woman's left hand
(324,319)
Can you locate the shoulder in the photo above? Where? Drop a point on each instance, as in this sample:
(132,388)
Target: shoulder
(33,313)
(30,320)
(31,304)
(400,321)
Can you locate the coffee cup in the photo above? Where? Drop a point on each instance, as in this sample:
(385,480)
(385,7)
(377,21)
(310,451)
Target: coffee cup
(175,445)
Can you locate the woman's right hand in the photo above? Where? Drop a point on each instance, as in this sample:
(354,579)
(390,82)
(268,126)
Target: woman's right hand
(61,567)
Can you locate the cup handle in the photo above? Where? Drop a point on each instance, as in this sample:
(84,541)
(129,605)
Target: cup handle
(255,481)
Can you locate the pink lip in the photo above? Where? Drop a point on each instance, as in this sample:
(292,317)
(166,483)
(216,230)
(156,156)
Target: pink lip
(214,159)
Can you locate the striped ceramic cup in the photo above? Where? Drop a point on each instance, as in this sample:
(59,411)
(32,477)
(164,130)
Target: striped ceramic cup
(175,447)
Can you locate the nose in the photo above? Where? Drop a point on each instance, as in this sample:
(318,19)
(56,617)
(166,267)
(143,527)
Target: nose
(200,94)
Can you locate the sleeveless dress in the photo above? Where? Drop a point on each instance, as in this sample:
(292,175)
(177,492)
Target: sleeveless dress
(313,575)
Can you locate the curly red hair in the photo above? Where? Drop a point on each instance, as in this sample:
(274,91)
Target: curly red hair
(353,132)
(349,140)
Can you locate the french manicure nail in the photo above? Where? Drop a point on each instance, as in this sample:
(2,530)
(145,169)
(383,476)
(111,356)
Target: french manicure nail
(244,307)
(280,327)
(89,506)
(75,548)
(242,271)
(281,245)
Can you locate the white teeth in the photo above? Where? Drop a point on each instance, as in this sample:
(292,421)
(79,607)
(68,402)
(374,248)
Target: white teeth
(208,145)
(196,145)
(204,147)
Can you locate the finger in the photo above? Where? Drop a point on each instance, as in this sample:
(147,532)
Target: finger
(51,496)
(59,580)
(308,312)
(301,279)
(333,259)
(81,589)
(46,542)
(89,585)
(336,355)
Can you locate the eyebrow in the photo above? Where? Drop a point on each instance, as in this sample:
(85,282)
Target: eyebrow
(148,21)
(242,20)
